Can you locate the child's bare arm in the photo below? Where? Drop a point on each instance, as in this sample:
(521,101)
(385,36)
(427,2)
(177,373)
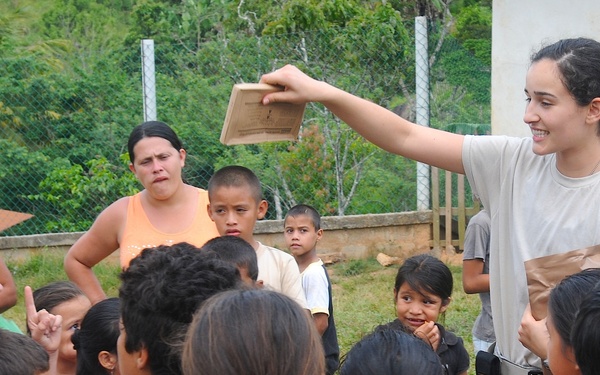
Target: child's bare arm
(321,321)
(8,289)
(473,278)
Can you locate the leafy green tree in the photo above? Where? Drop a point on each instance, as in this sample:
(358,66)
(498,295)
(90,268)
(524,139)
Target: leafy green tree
(366,30)
(69,189)
(388,185)
(70,93)
(301,16)
(150,20)
(93,28)
(21,171)
(474,30)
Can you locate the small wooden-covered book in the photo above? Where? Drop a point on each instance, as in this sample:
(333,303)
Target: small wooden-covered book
(249,121)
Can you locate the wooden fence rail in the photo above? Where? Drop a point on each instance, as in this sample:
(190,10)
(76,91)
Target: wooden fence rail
(455,219)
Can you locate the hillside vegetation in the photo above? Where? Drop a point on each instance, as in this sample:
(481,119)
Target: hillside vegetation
(70,92)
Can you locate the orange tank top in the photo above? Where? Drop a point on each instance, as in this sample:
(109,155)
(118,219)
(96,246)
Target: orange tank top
(139,233)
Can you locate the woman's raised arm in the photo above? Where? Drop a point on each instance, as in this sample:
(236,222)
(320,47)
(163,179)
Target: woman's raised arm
(375,123)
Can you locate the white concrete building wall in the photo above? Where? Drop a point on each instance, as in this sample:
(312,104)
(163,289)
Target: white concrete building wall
(519,28)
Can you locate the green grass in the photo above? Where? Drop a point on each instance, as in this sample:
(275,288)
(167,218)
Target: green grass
(362,295)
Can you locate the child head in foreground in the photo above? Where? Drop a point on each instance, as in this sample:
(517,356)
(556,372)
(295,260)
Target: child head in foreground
(21,355)
(255,331)
(238,252)
(585,334)
(160,292)
(563,306)
(388,351)
(96,339)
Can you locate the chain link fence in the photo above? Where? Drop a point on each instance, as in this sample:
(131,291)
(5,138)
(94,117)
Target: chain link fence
(64,124)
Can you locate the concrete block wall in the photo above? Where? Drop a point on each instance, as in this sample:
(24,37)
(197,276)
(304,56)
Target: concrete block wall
(350,237)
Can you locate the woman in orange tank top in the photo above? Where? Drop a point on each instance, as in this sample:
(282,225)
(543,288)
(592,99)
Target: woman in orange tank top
(165,212)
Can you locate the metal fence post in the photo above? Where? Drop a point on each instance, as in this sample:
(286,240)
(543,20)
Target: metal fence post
(148,80)
(422,104)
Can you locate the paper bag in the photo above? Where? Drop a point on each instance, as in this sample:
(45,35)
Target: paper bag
(545,272)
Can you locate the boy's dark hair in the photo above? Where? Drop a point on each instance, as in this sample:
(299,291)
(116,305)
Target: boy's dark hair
(21,355)
(98,332)
(304,209)
(53,294)
(152,129)
(236,251)
(160,292)
(387,351)
(425,273)
(236,176)
(585,334)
